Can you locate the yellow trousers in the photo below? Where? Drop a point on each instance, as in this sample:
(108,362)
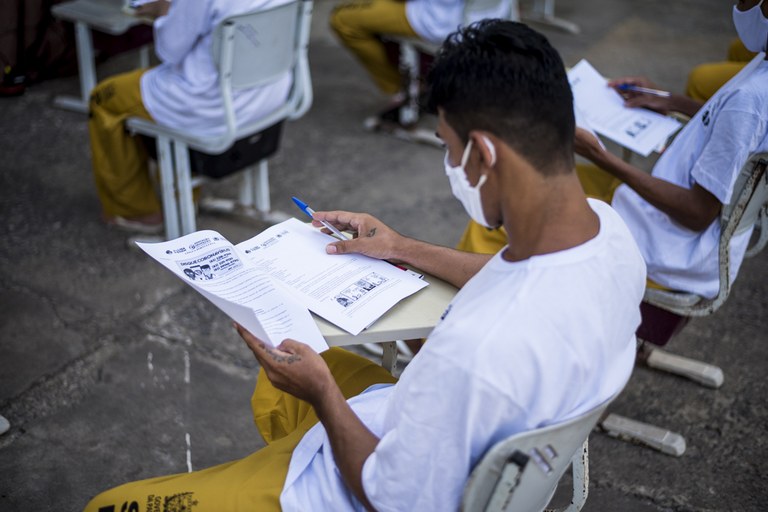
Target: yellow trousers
(706,79)
(120,165)
(255,482)
(360,25)
(596,182)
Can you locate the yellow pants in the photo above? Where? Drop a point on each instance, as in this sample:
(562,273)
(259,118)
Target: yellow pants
(706,79)
(360,25)
(120,165)
(255,482)
(596,182)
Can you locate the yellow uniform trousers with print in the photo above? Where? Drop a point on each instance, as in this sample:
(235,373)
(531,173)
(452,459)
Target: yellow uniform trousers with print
(120,163)
(255,482)
(360,25)
(706,79)
(596,183)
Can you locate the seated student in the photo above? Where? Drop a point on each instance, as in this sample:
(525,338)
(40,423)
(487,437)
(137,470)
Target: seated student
(543,330)
(183,91)
(360,24)
(673,212)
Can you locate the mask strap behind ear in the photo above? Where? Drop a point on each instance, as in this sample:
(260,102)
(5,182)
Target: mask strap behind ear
(491,149)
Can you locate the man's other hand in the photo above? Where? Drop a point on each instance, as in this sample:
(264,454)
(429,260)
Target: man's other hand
(292,366)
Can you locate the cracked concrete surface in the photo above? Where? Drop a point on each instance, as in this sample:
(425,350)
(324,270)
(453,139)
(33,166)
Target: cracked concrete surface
(108,363)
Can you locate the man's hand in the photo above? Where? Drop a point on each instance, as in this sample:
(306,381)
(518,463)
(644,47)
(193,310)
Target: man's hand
(661,104)
(585,144)
(371,236)
(295,368)
(292,367)
(153,10)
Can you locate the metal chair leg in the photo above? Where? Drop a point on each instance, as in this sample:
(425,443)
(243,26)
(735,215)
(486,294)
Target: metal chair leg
(168,188)
(409,65)
(654,437)
(184,188)
(698,371)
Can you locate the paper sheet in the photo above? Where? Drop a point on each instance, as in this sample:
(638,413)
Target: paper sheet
(350,290)
(211,265)
(638,129)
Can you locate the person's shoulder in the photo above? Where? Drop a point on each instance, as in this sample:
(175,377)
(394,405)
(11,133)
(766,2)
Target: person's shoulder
(751,94)
(614,232)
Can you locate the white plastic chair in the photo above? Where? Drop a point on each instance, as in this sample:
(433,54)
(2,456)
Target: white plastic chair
(666,312)
(410,67)
(521,473)
(249,50)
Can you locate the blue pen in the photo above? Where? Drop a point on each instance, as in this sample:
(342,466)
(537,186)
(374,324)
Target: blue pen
(310,212)
(646,90)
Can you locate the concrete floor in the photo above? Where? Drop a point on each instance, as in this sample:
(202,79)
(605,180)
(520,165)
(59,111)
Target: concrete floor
(97,339)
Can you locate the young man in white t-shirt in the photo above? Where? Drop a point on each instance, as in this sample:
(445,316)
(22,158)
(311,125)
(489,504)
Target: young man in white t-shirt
(539,333)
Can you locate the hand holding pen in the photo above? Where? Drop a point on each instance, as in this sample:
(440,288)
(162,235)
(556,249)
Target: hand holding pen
(641,92)
(311,213)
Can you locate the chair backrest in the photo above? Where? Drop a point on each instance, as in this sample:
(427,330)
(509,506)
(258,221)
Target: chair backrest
(522,471)
(256,48)
(746,209)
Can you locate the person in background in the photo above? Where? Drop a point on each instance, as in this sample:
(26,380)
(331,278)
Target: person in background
(362,24)
(673,212)
(182,92)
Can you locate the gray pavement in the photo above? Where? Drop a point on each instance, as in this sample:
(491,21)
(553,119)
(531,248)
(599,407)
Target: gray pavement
(112,370)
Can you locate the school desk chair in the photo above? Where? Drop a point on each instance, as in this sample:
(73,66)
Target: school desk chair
(665,313)
(249,50)
(522,471)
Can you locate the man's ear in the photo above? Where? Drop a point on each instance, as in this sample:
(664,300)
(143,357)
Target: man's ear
(486,147)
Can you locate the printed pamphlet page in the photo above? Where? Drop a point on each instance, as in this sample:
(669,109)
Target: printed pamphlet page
(269,283)
(601,108)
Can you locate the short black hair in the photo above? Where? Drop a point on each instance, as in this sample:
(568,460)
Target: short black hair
(505,78)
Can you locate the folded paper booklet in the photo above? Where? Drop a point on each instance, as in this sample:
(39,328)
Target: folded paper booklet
(270,283)
(601,109)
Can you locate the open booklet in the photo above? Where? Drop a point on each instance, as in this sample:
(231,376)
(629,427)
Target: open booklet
(601,108)
(269,283)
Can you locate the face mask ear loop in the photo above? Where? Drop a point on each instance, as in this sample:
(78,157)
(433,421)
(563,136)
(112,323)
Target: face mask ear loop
(491,149)
(465,156)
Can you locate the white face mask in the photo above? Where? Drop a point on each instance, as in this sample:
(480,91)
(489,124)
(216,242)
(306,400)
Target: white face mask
(468,195)
(752,27)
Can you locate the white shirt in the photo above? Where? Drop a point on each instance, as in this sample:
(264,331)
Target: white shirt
(183,91)
(522,345)
(710,150)
(433,20)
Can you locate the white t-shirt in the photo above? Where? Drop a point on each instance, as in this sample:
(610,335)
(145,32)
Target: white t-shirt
(433,20)
(710,150)
(522,345)
(183,91)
